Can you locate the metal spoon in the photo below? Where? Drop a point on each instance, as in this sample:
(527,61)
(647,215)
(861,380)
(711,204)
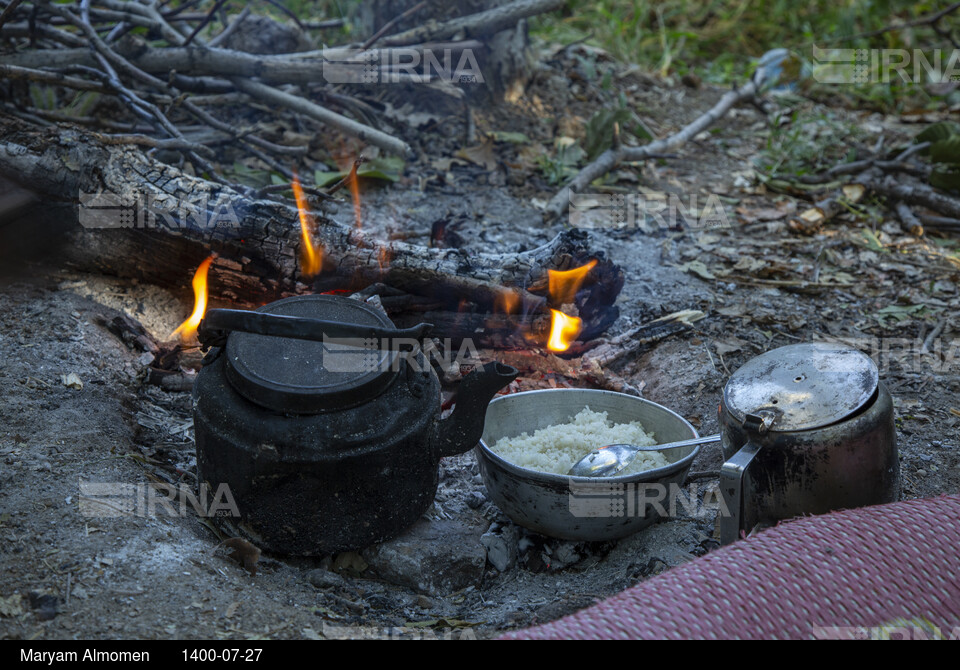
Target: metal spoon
(611,459)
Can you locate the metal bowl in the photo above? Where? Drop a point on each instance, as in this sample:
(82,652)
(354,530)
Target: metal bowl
(581,508)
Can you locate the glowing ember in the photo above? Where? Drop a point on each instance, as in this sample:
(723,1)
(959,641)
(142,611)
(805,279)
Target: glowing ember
(563,331)
(563,286)
(188,329)
(311,255)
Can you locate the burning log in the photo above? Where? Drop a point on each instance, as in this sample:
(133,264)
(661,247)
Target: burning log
(175,220)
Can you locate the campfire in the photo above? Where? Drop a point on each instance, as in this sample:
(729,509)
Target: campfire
(376,304)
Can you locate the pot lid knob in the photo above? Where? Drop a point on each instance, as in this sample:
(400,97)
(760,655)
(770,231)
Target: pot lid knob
(802,386)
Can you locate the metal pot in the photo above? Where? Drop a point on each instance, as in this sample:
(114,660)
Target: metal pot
(581,508)
(805,429)
(327,444)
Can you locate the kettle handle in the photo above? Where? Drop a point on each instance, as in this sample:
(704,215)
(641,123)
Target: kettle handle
(731,488)
(218,323)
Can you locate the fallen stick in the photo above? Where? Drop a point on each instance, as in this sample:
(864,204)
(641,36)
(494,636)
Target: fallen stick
(343,124)
(618,154)
(486,22)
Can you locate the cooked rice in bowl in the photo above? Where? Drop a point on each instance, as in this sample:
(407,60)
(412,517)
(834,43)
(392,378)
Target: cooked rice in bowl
(556,448)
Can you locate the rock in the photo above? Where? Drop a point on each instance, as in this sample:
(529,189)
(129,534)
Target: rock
(324,579)
(500,543)
(565,554)
(475,499)
(43,605)
(436,557)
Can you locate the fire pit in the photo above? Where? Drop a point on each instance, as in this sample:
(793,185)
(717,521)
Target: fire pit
(327,445)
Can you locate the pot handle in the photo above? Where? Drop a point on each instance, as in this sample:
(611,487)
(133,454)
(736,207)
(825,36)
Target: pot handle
(731,488)
(218,323)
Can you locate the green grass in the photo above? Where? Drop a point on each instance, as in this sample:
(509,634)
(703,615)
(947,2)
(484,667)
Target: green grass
(719,38)
(807,144)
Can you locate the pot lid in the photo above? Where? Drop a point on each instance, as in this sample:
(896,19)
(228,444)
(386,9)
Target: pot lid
(802,386)
(307,377)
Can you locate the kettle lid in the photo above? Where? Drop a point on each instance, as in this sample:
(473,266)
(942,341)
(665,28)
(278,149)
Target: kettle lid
(303,377)
(802,386)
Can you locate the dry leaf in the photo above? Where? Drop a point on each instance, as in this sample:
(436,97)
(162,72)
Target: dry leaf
(72,381)
(697,268)
(814,215)
(767,213)
(232,609)
(243,553)
(854,192)
(11,605)
(729,346)
(481,154)
(749,264)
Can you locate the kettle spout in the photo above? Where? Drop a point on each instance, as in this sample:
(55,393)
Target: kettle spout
(462,430)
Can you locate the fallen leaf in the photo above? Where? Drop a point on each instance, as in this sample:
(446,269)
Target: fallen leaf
(897,312)
(388,168)
(697,268)
(232,609)
(749,264)
(854,192)
(481,154)
(729,346)
(955,411)
(813,215)
(11,605)
(767,213)
(530,155)
(444,164)
(72,381)
(243,553)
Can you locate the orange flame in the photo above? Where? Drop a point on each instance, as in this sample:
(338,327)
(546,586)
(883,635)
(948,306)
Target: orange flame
(311,255)
(353,181)
(563,286)
(188,329)
(563,331)
(383,258)
(506,302)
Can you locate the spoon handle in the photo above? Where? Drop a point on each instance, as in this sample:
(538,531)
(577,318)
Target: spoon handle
(709,439)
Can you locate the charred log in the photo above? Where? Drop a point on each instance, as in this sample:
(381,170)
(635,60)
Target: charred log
(144,219)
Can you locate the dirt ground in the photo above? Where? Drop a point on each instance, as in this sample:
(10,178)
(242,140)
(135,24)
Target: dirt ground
(75,408)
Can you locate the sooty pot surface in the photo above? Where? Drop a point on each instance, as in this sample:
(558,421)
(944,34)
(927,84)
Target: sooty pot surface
(356,460)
